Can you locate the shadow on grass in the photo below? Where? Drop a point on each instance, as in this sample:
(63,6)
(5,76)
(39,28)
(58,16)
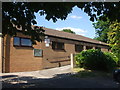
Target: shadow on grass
(84,73)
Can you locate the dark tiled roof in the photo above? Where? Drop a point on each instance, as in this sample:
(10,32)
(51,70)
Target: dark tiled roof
(63,34)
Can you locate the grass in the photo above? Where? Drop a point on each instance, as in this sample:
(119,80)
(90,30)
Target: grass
(84,73)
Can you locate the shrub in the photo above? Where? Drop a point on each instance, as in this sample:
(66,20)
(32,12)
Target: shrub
(111,60)
(96,60)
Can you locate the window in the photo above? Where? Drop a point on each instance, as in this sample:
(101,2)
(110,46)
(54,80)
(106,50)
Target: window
(89,47)
(98,48)
(78,48)
(57,45)
(26,42)
(18,41)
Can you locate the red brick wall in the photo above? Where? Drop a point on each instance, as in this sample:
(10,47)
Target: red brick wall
(57,55)
(20,59)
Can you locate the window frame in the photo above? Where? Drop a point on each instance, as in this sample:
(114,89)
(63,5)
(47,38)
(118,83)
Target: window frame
(99,48)
(20,45)
(26,39)
(56,45)
(14,41)
(89,47)
(78,50)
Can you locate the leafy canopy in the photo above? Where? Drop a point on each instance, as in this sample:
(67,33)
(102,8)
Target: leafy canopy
(102,28)
(114,38)
(68,30)
(109,32)
(21,14)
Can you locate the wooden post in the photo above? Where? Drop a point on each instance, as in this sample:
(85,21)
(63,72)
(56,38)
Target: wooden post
(72,60)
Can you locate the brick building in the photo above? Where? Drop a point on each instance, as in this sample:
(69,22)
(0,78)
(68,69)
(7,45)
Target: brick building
(20,55)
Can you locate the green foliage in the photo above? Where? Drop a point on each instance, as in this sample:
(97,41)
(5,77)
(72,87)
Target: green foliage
(96,60)
(22,14)
(83,73)
(109,32)
(111,59)
(102,28)
(68,30)
(114,38)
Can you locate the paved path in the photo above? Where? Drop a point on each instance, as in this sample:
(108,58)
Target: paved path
(54,78)
(47,73)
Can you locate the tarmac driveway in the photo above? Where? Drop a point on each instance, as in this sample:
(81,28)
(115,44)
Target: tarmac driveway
(54,78)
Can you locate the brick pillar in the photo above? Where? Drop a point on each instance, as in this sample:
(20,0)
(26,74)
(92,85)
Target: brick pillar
(84,48)
(93,47)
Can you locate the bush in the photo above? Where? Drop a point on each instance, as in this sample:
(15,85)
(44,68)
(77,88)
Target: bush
(111,59)
(96,60)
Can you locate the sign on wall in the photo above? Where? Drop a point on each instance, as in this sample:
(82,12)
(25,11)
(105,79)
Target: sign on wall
(38,52)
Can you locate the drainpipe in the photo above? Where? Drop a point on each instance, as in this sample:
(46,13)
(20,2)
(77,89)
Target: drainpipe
(0,37)
(0,43)
(1,58)
(0,52)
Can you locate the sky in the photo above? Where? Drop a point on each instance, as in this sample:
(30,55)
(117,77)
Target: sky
(77,21)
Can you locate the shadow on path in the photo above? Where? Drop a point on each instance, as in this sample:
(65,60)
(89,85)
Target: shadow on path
(58,81)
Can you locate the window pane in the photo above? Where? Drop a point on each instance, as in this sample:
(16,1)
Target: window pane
(26,42)
(60,46)
(53,45)
(57,45)
(89,47)
(78,48)
(98,48)
(17,41)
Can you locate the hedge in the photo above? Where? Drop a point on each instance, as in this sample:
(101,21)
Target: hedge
(96,60)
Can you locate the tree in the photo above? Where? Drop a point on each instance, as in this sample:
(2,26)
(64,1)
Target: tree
(114,38)
(68,30)
(21,14)
(102,28)
(109,32)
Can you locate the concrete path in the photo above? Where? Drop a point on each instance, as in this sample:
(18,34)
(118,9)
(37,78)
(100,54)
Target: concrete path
(54,78)
(19,78)
(47,73)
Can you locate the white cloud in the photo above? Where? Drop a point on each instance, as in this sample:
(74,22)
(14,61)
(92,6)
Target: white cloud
(75,17)
(76,30)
